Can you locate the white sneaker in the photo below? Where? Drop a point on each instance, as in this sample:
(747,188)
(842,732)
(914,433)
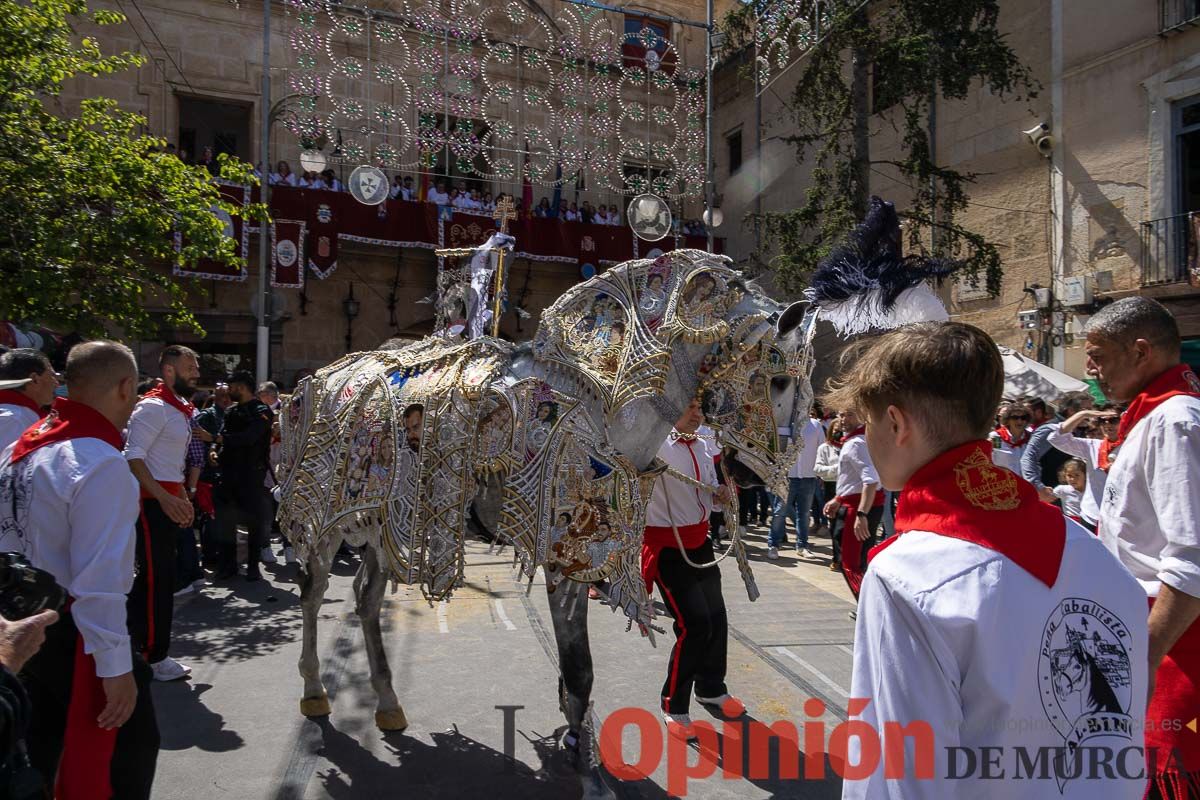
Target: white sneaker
(772,553)
(679,725)
(169,670)
(289,555)
(267,556)
(806,553)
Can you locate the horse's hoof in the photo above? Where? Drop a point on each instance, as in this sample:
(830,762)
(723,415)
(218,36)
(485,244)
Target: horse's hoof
(391,720)
(316,706)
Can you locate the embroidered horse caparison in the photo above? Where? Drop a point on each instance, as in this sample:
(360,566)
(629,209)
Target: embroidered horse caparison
(550,444)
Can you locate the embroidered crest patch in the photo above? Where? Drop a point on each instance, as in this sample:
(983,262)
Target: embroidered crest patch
(985,485)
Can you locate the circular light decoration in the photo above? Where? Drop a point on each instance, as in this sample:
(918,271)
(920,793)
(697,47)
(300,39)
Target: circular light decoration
(587,271)
(713,217)
(649,216)
(369,185)
(654,253)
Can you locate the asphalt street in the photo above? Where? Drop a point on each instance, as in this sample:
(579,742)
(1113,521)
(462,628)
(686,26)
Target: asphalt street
(234,728)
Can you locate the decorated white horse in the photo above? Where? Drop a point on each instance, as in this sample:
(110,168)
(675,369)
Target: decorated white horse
(550,444)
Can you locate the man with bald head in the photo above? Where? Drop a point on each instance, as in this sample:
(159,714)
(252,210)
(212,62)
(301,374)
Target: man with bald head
(68,502)
(1150,512)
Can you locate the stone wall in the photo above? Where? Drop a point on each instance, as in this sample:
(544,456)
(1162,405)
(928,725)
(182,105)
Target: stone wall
(1114,83)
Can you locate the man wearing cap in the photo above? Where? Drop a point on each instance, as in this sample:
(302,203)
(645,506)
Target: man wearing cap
(27,384)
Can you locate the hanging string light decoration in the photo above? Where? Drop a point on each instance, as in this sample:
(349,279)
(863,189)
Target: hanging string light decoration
(497,92)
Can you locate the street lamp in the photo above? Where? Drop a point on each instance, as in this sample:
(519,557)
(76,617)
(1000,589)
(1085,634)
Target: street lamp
(350,307)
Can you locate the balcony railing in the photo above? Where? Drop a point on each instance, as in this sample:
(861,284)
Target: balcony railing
(1174,15)
(1170,249)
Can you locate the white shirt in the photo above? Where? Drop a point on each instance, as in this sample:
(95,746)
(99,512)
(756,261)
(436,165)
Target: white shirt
(462,201)
(828,460)
(277,179)
(855,468)
(1150,516)
(70,508)
(1070,497)
(1007,455)
(958,636)
(434,196)
(688,505)
(806,461)
(1087,451)
(159,434)
(14,419)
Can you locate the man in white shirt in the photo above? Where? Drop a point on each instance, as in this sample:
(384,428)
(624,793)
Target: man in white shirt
(1150,515)
(68,503)
(437,195)
(994,633)
(27,384)
(156,448)
(802,485)
(857,509)
(675,545)
(1062,437)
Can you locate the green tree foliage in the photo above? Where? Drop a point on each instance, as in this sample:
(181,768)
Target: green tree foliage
(916,50)
(89,206)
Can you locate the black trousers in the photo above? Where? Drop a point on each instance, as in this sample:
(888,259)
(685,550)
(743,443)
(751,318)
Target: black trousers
(48,679)
(693,598)
(151,603)
(241,499)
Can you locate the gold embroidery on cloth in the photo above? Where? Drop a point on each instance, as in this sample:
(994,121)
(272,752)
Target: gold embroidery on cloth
(985,485)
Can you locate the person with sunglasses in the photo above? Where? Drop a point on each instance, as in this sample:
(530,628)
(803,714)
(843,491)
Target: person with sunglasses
(1040,464)
(1065,438)
(1010,439)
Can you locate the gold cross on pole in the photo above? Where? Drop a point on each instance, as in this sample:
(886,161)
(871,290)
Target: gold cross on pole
(504,213)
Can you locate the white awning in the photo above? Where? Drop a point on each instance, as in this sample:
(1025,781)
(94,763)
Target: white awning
(1027,377)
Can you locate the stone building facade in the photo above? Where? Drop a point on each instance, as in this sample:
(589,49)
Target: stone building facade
(1102,212)
(201,87)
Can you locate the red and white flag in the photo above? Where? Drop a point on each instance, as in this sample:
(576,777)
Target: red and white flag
(287,254)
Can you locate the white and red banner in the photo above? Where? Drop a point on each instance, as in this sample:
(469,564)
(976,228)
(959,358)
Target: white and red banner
(234,229)
(323,221)
(287,254)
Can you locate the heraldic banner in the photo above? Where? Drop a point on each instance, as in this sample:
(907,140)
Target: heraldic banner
(234,229)
(287,254)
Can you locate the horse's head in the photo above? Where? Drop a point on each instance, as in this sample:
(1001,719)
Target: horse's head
(647,337)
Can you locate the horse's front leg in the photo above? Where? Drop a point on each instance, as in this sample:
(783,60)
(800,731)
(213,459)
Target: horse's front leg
(369,585)
(314,580)
(568,610)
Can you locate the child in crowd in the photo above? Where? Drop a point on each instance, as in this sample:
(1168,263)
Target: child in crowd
(1072,477)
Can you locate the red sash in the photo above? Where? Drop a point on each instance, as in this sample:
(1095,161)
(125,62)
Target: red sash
(852,560)
(169,397)
(67,420)
(84,772)
(1178,380)
(1176,700)
(657,537)
(10,397)
(963,495)
(1006,436)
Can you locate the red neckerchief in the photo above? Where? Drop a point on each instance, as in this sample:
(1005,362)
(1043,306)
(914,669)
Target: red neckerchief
(859,431)
(1006,435)
(67,420)
(169,397)
(10,397)
(963,495)
(1178,380)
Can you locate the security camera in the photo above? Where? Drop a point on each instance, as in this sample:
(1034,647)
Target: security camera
(1039,136)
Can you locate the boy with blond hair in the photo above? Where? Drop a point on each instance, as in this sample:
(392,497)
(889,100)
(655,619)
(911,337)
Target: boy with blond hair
(990,621)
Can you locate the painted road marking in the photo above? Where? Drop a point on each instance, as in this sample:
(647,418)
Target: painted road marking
(821,676)
(443,626)
(845,649)
(508,623)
